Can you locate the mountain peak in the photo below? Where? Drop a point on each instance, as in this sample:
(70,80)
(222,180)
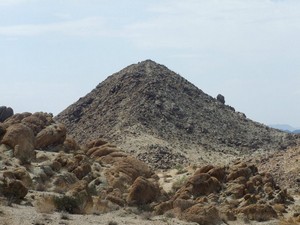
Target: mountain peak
(164,119)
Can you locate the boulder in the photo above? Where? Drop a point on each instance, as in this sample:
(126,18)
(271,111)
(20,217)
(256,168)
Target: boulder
(82,170)
(258,212)
(240,172)
(38,121)
(221,98)
(21,139)
(143,191)
(5,112)
(70,145)
(203,184)
(124,172)
(19,174)
(13,189)
(202,214)
(52,135)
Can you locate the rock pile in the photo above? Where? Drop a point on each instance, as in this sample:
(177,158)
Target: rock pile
(37,156)
(215,194)
(146,105)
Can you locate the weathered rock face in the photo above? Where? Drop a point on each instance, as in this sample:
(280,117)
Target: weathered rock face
(169,121)
(5,112)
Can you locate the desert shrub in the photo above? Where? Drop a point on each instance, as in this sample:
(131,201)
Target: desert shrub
(179,183)
(144,208)
(64,215)
(169,214)
(112,223)
(66,203)
(146,215)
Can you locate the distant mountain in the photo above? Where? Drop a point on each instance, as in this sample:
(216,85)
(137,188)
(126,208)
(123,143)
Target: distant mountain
(286,128)
(163,119)
(283,127)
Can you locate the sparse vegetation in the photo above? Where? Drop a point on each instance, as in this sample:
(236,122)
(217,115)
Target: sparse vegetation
(169,215)
(179,183)
(64,215)
(144,208)
(146,215)
(66,203)
(112,223)
(180,169)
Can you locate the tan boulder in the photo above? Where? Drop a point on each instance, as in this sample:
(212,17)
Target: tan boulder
(16,118)
(124,172)
(143,191)
(235,190)
(95,143)
(21,139)
(218,172)
(240,172)
(19,174)
(202,214)
(38,121)
(70,145)
(101,151)
(204,169)
(82,170)
(52,135)
(258,212)
(204,184)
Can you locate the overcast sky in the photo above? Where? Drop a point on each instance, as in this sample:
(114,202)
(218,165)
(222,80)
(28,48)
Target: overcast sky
(52,52)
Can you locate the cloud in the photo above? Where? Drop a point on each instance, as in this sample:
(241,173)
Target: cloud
(215,24)
(91,26)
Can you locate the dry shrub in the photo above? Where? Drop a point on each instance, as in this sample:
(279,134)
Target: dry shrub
(179,183)
(45,204)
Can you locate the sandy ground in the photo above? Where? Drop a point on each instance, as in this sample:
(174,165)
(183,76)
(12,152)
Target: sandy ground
(25,215)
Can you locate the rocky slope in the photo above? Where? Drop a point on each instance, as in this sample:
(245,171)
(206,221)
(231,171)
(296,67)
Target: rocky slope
(165,120)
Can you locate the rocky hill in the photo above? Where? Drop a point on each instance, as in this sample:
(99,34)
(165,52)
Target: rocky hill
(164,120)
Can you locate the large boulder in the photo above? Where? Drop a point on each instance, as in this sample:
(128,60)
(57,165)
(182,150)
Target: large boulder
(52,135)
(13,189)
(202,214)
(5,112)
(38,121)
(221,98)
(203,184)
(21,139)
(143,191)
(258,212)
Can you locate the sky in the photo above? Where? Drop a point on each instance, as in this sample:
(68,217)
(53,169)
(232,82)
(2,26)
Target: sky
(52,52)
